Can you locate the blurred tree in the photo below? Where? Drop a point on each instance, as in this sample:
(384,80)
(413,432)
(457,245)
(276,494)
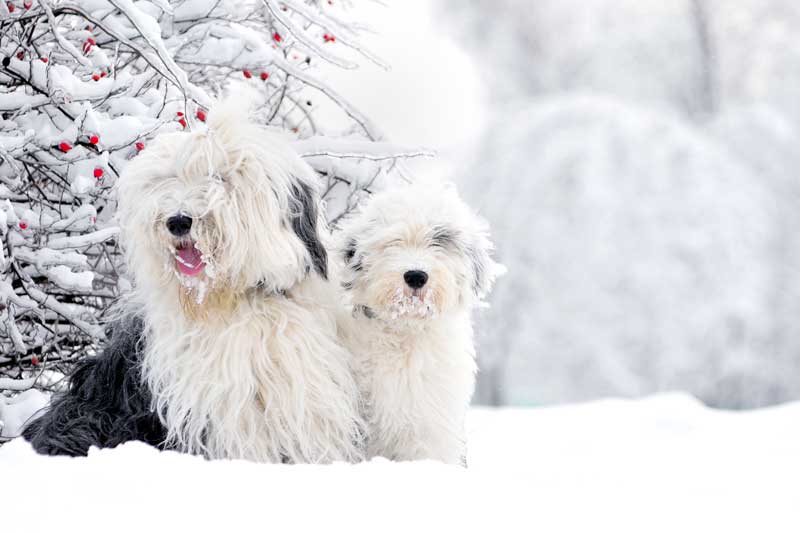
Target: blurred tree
(707,94)
(640,178)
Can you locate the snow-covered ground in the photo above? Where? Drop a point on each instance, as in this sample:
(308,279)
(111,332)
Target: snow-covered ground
(665,463)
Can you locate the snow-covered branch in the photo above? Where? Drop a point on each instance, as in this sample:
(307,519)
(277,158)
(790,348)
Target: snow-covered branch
(85,86)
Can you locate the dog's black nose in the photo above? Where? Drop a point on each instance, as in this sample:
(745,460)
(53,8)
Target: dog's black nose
(416,279)
(179,225)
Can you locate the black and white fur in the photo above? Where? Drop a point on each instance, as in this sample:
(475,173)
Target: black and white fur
(106,403)
(241,356)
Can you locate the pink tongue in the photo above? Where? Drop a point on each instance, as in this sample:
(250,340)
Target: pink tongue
(190,262)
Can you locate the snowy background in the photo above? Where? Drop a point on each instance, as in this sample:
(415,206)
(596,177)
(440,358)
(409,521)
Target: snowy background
(638,162)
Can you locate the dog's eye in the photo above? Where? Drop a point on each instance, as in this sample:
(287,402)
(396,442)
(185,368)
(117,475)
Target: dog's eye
(443,237)
(350,251)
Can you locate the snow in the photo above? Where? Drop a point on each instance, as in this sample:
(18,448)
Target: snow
(80,241)
(65,278)
(16,410)
(16,384)
(299,34)
(662,464)
(319,146)
(82,185)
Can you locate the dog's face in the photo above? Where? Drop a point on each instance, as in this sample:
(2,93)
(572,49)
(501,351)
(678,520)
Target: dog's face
(415,254)
(220,212)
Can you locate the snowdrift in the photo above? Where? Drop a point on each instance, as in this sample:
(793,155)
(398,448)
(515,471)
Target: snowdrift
(666,463)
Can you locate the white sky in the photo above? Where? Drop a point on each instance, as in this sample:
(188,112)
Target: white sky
(431,96)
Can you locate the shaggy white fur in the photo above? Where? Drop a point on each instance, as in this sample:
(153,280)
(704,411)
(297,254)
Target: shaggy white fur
(414,345)
(242,351)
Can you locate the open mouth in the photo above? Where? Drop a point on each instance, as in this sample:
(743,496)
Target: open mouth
(189,260)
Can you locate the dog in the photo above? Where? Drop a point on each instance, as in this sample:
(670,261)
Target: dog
(416,262)
(240,353)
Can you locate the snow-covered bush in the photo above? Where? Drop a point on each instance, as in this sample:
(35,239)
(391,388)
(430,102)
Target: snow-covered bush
(85,85)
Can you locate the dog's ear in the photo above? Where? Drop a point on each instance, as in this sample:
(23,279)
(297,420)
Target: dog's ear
(484,269)
(304,221)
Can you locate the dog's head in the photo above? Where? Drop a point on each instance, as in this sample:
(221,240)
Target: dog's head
(220,211)
(415,253)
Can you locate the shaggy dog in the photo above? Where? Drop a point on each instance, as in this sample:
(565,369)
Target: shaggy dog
(240,356)
(416,262)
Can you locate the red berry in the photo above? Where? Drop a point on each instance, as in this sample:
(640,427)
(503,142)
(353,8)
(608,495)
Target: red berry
(182,122)
(87,47)
(96,77)
(277,37)
(44,60)
(94,139)
(201,115)
(27,4)
(264,76)
(103,74)
(91,41)
(23,224)
(10,7)
(20,55)
(140,146)
(34,360)
(247,74)
(93,220)
(98,172)
(65,147)
(180,113)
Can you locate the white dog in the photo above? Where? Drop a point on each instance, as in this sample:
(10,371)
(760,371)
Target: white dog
(242,357)
(416,262)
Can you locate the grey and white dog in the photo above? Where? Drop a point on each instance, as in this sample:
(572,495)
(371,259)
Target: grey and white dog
(417,261)
(235,352)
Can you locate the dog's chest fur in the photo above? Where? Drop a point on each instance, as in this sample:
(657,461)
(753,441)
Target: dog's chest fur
(266,380)
(417,382)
